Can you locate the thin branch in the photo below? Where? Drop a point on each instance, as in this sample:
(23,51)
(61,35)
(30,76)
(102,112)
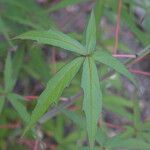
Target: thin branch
(10,126)
(27,142)
(114,126)
(139,56)
(139,72)
(55,110)
(34,97)
(36,145)
(117,27)
(124,56)
(30,97)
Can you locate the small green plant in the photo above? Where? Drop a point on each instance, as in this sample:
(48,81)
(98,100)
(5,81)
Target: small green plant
(87,57)
(80,104)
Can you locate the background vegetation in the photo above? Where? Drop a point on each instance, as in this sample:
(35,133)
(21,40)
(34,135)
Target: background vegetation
(26,67)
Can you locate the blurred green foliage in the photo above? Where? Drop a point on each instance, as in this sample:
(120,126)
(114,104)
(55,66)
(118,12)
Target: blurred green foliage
(25,68)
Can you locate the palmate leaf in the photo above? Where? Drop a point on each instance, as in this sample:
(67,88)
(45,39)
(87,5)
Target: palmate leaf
(15,100)
(91,34)
(92,104)
(106,58)
(54,89)
(55,38)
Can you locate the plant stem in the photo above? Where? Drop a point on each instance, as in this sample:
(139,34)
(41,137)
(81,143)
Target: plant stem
(139,72)
(117,27)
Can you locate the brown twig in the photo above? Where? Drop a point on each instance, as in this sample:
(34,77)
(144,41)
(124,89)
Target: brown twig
(143,53)
(114,126)
(36,145)
(10,126)
(33,97)
(30,97)
(28,142)
(124,56)
(117,27)
(139,72)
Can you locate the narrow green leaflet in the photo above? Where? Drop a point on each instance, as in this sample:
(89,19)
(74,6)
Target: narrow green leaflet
(92,104)
(39,64)
(15,100)
(137,115)
(130,143)
(54,89)
(64,3)
(3,30)
(110,102)
(55,38)
(17,62)
(101,136)
(2,102)
(8,73)
(98,11)
(106,58)
(91,34)
(75,117)
(128,20)
(25,22)
(19,11)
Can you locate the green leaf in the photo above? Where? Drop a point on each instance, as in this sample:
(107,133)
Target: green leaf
(99,11)
(91,34)
(129,20)
(130,143)
(19,11)
(74,116)
(15,100)
(64,3)
(17,62)
(92,104)
(38,64)
(54,89)
(87,148)
(110,102)
(107,59)
(137,115)
(25,22)
(8,74)
(101,136)
(2,102)
(3,30)
(55,38)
